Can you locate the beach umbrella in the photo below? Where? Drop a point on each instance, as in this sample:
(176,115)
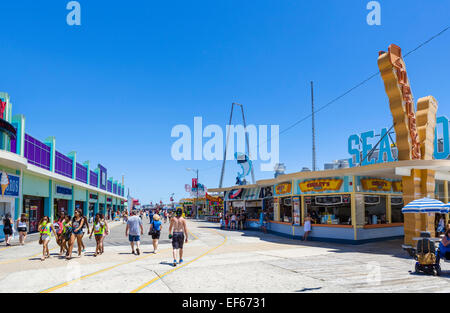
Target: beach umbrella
(446,208)
(425,205)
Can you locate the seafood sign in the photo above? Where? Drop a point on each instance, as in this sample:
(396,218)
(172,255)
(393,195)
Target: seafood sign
(396,83)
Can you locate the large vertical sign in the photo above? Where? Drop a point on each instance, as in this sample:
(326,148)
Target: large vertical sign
(415,139)
(103,174)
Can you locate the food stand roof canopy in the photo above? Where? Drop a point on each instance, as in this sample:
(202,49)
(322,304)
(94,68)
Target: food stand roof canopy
(393,170)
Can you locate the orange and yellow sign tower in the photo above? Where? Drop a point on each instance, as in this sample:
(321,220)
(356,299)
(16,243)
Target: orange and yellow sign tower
(414,135)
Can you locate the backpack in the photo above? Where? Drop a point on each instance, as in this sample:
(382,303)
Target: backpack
(426,252)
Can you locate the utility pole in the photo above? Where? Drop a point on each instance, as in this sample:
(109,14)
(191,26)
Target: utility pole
(313,130)
(196,204)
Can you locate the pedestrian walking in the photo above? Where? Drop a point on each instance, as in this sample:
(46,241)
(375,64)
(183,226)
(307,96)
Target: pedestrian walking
(77,234)
(98,230)
(22,228)
(8,228)
(45,230)
(155,231)
(105,233)
(263,220)
(66,235)
(85,227)
(179,236)
(233,221)
(151,216)
(307,227)
(57,224)
(134,231)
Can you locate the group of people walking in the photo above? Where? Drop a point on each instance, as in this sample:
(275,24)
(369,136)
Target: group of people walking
(21,225)
(177,232)
(67,230)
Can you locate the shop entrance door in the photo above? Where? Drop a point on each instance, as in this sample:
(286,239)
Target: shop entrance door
(34,209)
(5,208)
(60,205)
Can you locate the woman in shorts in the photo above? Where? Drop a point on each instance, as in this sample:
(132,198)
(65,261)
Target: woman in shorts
(98,230)
(66,234)
(155,231)
(22,228)
(85,227)
(77,234)
(45,229)
(8,228)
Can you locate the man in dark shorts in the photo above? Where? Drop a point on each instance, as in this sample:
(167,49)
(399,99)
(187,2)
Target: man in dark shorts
(180,235)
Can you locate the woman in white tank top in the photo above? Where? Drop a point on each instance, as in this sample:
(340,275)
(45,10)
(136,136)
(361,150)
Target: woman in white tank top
(307,227)
(22,228)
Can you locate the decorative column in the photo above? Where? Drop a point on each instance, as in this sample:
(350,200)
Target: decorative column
(446,200)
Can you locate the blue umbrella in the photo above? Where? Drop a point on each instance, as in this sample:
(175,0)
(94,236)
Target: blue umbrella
(446,208)
(425,205)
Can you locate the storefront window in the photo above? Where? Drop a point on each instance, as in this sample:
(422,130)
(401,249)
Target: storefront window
(268,207)
(286,209)
(329,209)
(253,209)
(375,209)
(396,209)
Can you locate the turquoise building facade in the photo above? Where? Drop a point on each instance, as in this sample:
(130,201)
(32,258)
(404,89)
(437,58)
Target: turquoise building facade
(39,180)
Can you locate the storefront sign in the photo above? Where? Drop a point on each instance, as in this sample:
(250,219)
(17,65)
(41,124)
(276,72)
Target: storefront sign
(320,185)
(10,184)
(63,190)
(266,192)
(376,184)
(108,199)
(93,196)
(284,188)
(235,194)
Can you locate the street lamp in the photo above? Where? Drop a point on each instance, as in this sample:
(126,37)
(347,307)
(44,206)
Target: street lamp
(196,203)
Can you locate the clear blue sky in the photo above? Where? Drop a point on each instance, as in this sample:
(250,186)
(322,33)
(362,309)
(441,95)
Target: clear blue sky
(113,88)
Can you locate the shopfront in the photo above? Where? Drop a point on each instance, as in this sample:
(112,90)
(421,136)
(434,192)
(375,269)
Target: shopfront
(283,203)
(362,204)
(234,201)
(93,200)
(33,207)
(102,204)
(35,199)
(9,197)
(109,207)
(253,202)
(61,197)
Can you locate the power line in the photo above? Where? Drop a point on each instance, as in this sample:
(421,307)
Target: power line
(360,84)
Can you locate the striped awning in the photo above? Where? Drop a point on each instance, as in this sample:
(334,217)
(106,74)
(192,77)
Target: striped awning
(251,194)
(426,205)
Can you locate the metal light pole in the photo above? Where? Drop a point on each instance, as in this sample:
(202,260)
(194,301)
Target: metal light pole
(196,203)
